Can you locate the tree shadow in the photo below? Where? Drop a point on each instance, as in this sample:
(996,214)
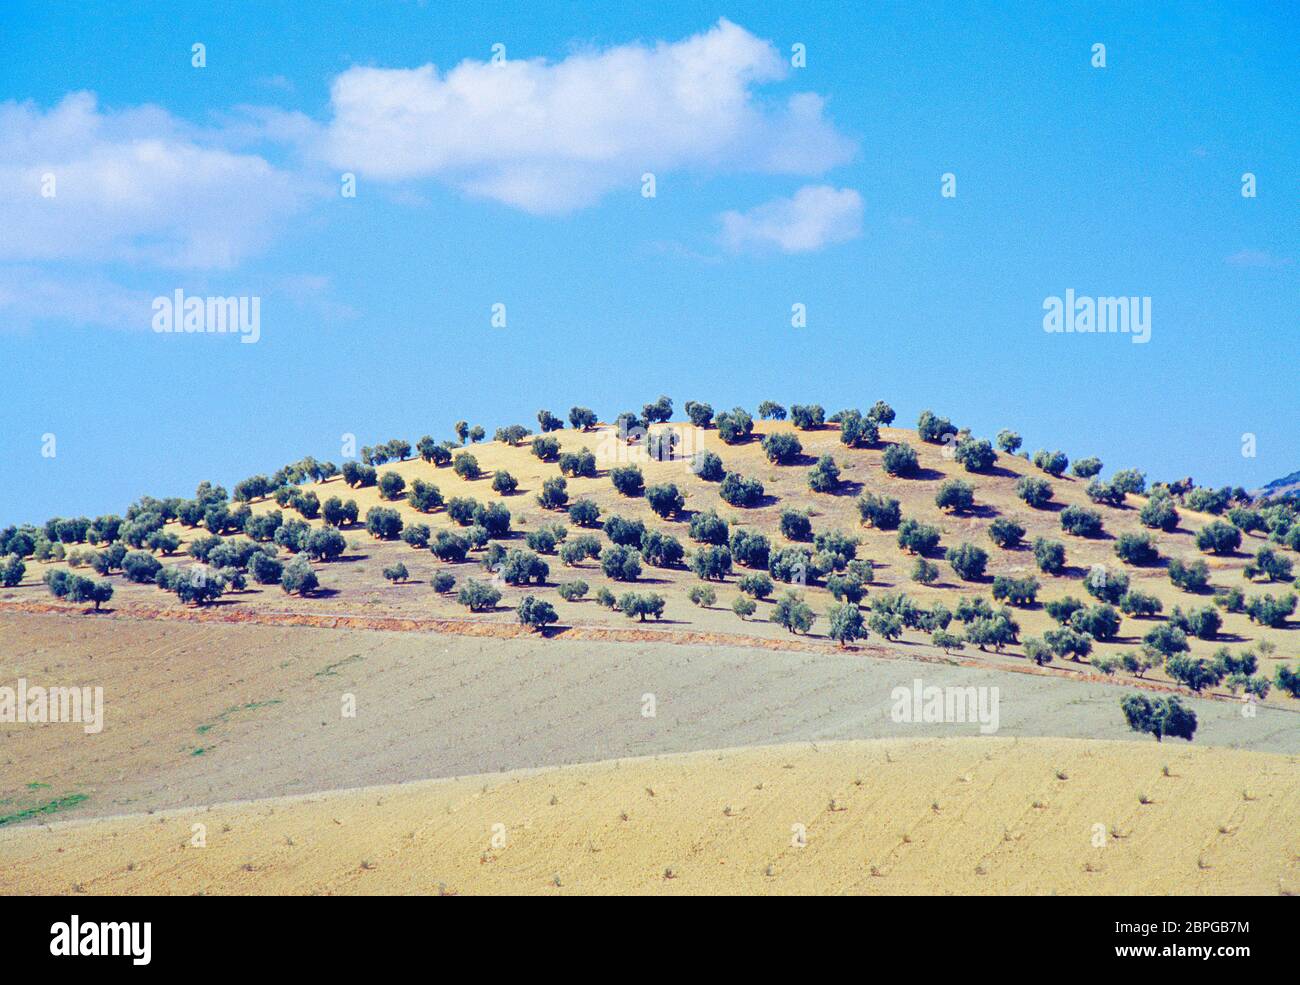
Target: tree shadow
(999,472)
(847,487)
(923,474)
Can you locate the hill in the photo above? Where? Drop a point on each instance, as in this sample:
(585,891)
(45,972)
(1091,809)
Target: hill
(1286,486)
(353,589)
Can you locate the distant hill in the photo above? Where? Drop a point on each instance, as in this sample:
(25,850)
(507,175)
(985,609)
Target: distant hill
(1288,485)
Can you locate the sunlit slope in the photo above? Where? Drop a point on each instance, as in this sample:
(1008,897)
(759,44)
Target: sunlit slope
(910,816)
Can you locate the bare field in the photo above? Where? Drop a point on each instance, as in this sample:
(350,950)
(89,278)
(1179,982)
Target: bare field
(965,815)
(354,586)
(198,713)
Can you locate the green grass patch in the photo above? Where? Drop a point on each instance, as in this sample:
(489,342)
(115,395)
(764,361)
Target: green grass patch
(49,807)
(225,715)
(333,669)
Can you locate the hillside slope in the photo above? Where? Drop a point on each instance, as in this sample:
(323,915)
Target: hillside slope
(354,586)
(197,713)
(928,816)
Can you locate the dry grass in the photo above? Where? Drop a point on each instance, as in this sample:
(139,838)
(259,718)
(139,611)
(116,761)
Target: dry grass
(915,816)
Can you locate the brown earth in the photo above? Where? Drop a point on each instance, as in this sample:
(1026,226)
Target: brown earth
(201,712)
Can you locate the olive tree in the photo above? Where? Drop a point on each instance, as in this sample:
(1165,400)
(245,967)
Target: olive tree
(1192,577)
(1009,441)
(466,466)
(620,563)
(582,418)
(934,429)
(700,414)
(578,464)
(1054,463)
(1034,491)
(1218,537)
(391,485)
(881,413)
(628,480)
(1159,513)
(1081,521)
(1159,716)
(666,500)
(383,523)
(536,613)
(478,596)
(795,525)
(661,550)
(711,562)
(1136,549)
(792,613)
(975,454)
(584,513)
(968,561)
(955,496)
(807,417)
(736,490)
(857,431)
(846,624)
(915,537)
(554,494)
(882,513)
(708,466)
(824,477)
(1007,534)
(781,447)
(734,426)
(546,448)
(900,460)
(1086,468)
(511,434)
(1049,555)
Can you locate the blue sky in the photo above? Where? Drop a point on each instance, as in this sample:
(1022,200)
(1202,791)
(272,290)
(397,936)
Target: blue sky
(523,188)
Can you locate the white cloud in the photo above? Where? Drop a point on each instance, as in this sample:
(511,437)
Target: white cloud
(1261,259)
(30,296)
(137,186)
(553,137)
(814,217)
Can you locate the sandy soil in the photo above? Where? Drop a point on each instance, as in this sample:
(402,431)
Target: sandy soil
(966,815)
(198,713)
